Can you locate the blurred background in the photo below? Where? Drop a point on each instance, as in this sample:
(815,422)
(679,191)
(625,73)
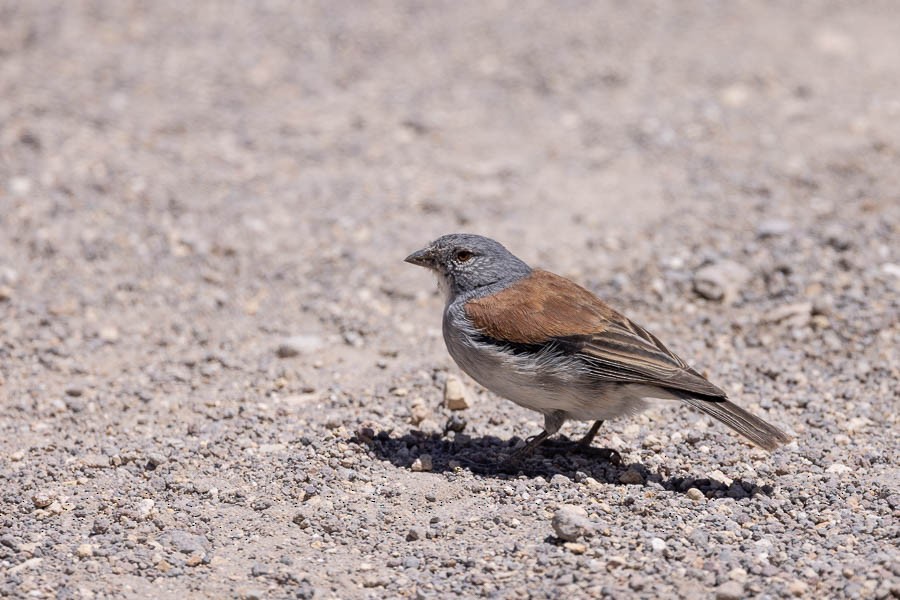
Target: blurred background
(204,207)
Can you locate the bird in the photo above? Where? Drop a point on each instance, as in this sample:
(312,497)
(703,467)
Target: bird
(552,346)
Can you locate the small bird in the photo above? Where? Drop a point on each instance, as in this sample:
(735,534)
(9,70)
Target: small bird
(552,346)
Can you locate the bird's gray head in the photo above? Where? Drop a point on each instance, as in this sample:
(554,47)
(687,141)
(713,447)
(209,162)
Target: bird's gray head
(465,262)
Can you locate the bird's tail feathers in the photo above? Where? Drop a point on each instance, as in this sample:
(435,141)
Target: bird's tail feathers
(747,424)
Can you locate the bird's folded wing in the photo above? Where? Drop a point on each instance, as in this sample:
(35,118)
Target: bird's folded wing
(627,353)
(544,308)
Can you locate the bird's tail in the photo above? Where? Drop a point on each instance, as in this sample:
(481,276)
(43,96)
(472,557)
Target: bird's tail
(747,424)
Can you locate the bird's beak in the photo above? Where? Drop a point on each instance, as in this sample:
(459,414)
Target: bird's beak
(422,258)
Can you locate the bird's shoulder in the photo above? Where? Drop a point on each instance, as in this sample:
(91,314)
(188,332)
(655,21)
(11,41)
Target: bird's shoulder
(538,308)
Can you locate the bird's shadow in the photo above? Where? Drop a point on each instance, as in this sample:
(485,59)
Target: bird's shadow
(484,456)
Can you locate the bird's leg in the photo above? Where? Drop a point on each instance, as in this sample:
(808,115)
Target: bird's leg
(585,442)
(584,446)
(528,449)
(552,422)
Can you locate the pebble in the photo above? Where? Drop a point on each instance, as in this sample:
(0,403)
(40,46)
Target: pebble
(299,344)
(185,542)
(797,588)
(571,522)
(42,499)
(20,186)
(575,547)
(695,494)
(455,423)
(631,477)
(155,459)
(721,281)
(418,411)
(796,314)
(455,394)
(719,476)
(84,551)
(100,526)
(145,509)
(658,544)
(730,590)
(422,463)
(415,534)
(108,334)
(773,228)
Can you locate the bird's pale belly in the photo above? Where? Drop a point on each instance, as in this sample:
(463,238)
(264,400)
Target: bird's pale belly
(541,385)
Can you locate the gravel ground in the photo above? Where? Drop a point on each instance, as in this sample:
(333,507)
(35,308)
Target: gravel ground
(219,379)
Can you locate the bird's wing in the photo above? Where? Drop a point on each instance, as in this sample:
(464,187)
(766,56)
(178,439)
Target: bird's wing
(544,308)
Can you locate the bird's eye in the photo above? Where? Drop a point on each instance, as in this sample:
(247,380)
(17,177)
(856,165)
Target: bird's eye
(463,255)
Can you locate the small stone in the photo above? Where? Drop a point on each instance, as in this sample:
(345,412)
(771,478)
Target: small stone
(570,522)
(108,334)
(9,541)
(6,293)
(797,588)
(734,95)
(422,463)
(631,477)
(796,314)
(721,477)
(84,551)
(773,228)
(730,590)
(184,542)
(455,394)
(418,412)
(838,469)
(455,423)
(145,509)
(299,344)
(20,186)
(193,560)
(658,544)
(74,391)
(75,404)
(721,281)
(101,525)
(42,499)
(695,494)
(353,338)
(155,459)
(415,534)
(365,433)
(575,547)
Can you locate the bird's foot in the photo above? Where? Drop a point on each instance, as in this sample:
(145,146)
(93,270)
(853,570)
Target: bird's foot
(582,447)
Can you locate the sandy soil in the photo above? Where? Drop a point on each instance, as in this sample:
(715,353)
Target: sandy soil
(219,379)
